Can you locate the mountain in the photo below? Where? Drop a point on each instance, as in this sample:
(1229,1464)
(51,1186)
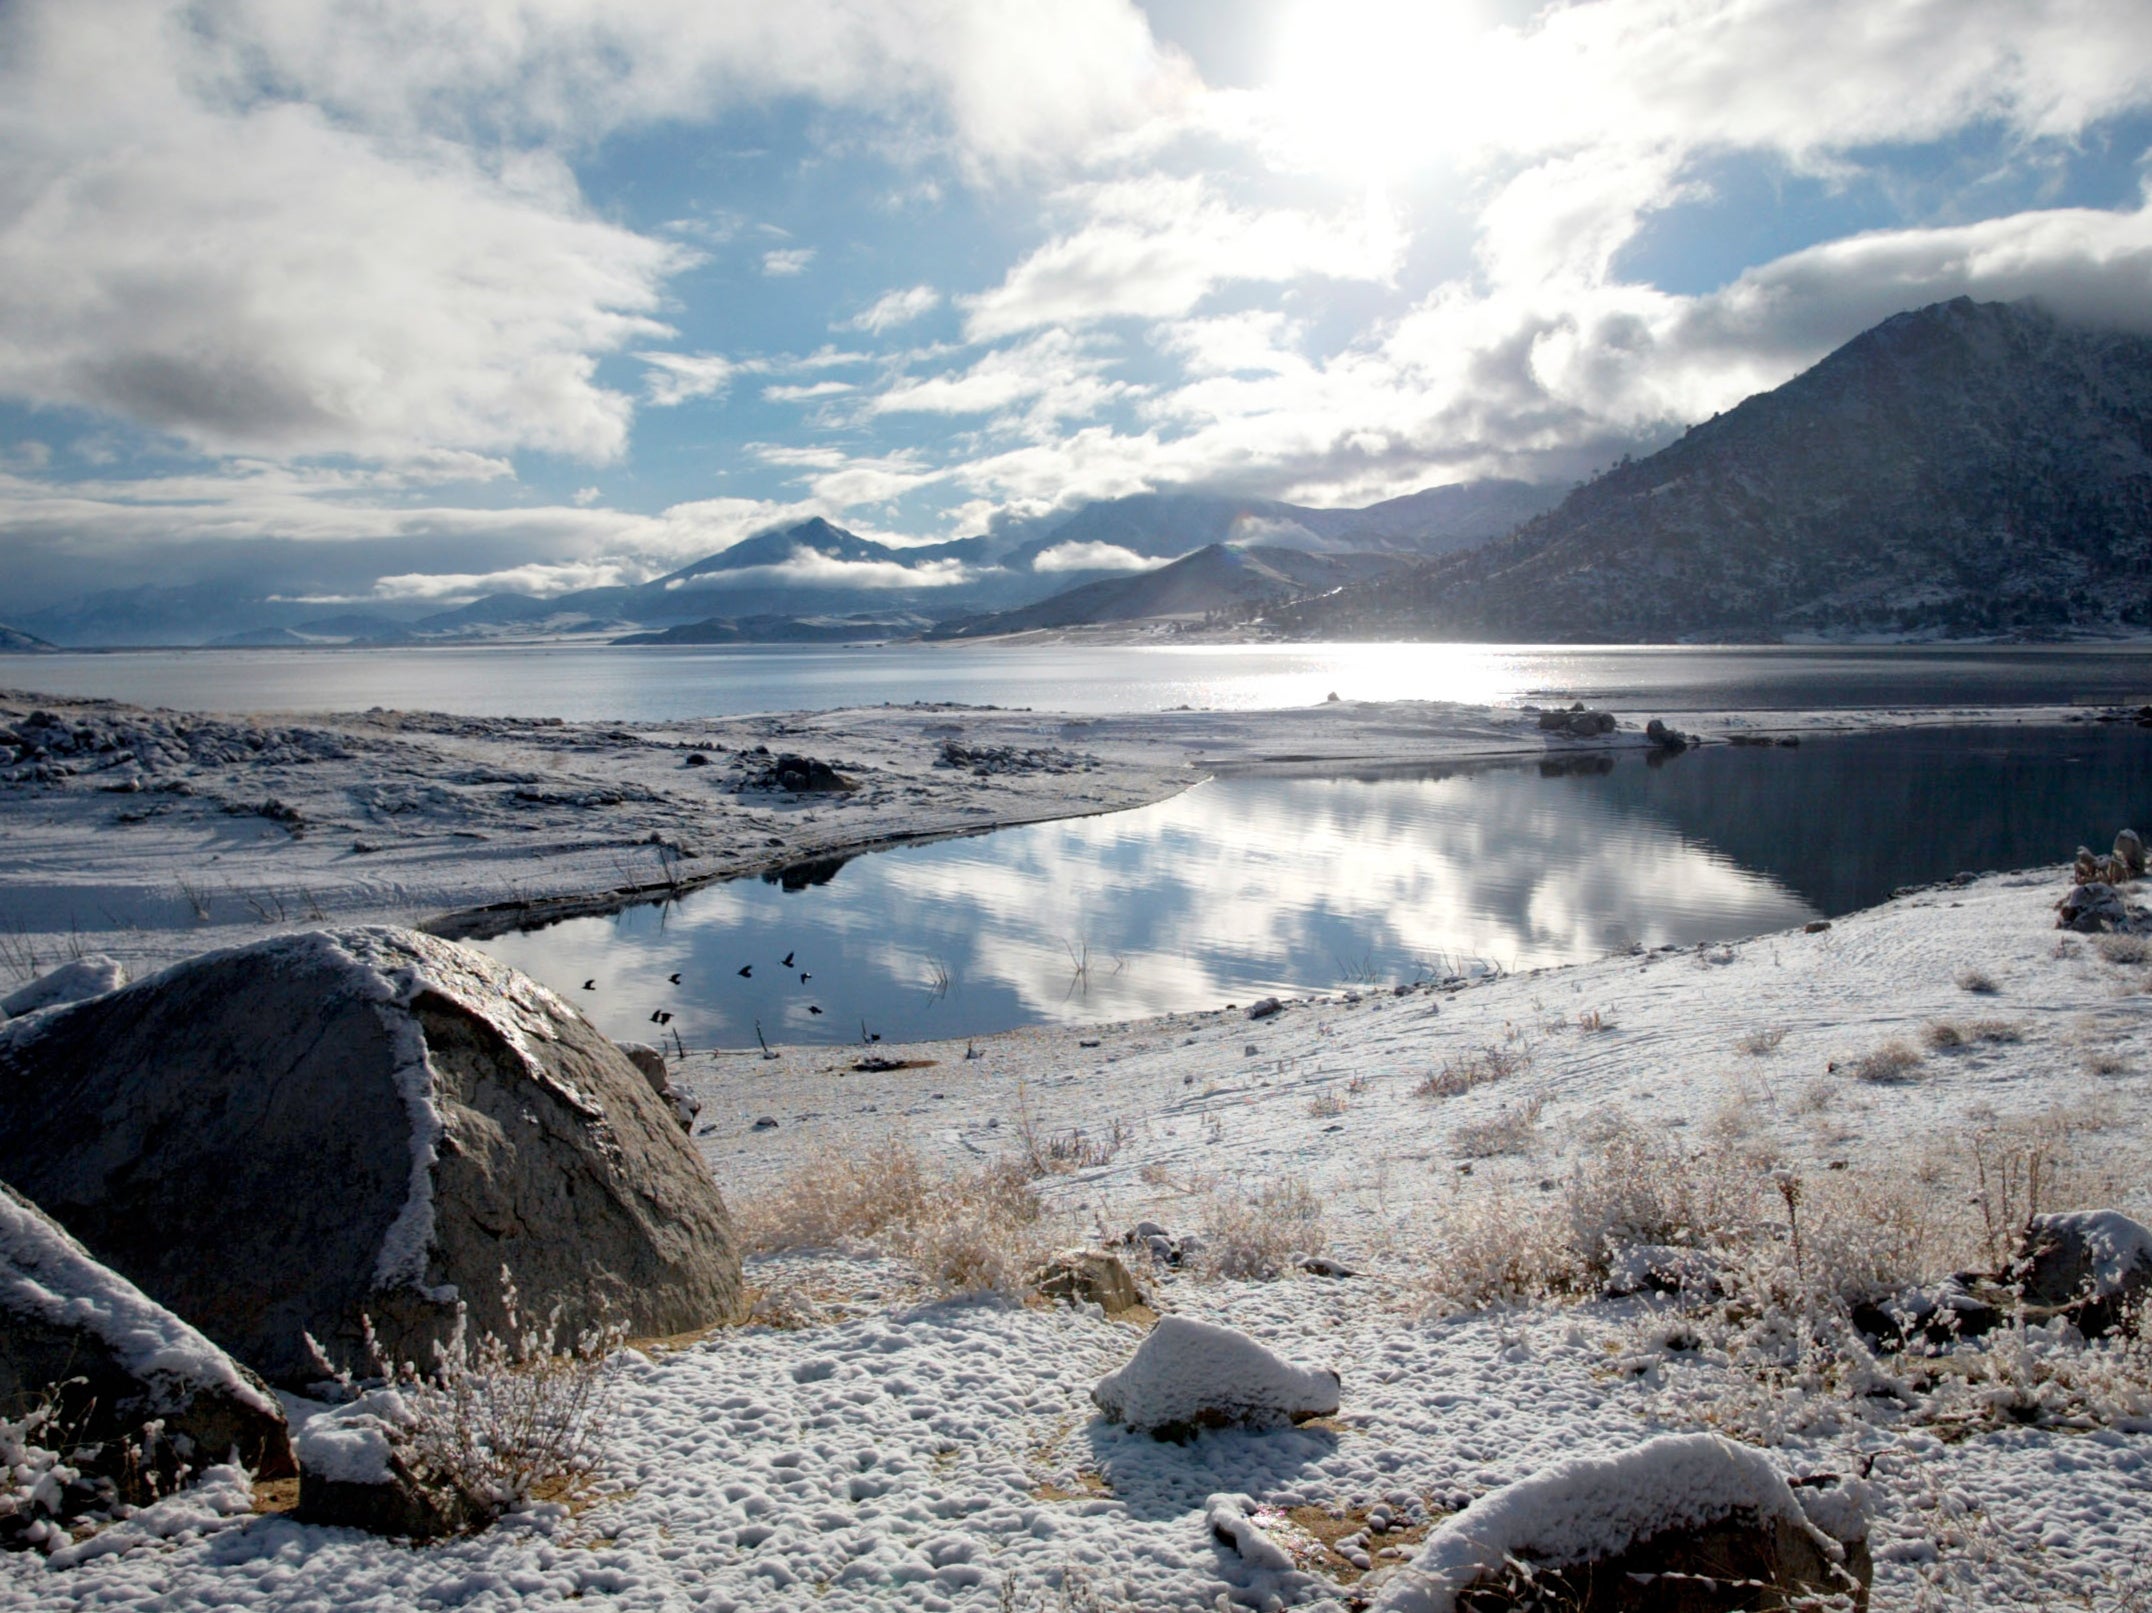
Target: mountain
(14,640)
(784,630)
(1161,526)
(1964,469)
(1218,577)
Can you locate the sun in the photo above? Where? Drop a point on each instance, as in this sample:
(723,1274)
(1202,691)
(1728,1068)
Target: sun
(1375,88)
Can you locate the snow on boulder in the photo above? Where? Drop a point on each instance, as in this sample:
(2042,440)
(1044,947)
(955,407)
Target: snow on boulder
(90,976)
(1682,1523)
(1188,1375)
(121,1359)
(281,1138)
(354,1472)
(2089,1263)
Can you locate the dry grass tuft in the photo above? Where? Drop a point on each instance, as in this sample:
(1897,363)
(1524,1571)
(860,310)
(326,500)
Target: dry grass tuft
(1889,1064)
(1977,981)
(966,1233)
(1513,1131)
(1759,1042)
(1462,1074)
(1254,1237)
(2124,949)
(1327,1104)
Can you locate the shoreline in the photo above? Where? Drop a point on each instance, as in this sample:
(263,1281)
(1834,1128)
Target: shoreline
(171,833)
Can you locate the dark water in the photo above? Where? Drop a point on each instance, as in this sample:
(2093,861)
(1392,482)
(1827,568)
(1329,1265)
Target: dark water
(658,685)
(1245,886)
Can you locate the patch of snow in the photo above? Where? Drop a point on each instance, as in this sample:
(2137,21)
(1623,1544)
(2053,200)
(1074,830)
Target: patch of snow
(221,1499)
(89,976)
(353,1444)
(1186,1371)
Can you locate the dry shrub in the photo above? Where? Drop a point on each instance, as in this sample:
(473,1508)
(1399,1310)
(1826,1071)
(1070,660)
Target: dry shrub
(1995,1030)
(1254,1237)
(1479,1068)
(2124,949)
(1889,1064)
(1512,1131)
(1945,1035)
(1057,1153)
(966,1233)
(1593,1020)
(1327,1104)
(1977,981)
(1759,1042)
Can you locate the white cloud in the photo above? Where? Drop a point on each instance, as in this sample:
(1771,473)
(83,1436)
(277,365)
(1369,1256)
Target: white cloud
(543,581)
(812,392)
(1092,557)
(1155,246)
(787,261)
(1052,377)
(894,308)
(675,378)
(810,566)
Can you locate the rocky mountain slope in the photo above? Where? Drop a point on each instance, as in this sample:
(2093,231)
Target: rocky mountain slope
(14,638)
(1965,469)
(1220,577)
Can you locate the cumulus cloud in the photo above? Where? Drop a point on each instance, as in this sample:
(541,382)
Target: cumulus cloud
(894,308)
(1092,557)
(1155,246)
(785,262)
(674,378)
(811,566)
(542,581)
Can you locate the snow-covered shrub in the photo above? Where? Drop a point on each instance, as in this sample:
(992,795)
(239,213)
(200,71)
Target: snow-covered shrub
(35,1484)
(966,1232)
(498,1420)
(1256,1236)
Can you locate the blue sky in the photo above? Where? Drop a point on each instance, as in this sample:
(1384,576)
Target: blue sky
(407,302)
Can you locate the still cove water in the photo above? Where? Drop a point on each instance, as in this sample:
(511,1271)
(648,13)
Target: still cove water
(1252,885)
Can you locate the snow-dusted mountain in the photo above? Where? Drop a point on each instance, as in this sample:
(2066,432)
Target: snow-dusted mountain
(1964,469)
(14,639)
(1219,577)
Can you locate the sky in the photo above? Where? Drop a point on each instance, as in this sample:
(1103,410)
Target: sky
(397,301)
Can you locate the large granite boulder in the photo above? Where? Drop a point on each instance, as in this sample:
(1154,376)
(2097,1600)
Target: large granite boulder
(111,1360)
(2089,1265)
(283,1138)
(1686,1523)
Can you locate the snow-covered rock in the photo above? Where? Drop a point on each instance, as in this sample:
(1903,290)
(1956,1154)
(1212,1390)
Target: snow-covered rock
(89,976)
(2090,1262)
(124,1360)
(1685,1504)
(352,1472)
(1188,1375)
(282,1138)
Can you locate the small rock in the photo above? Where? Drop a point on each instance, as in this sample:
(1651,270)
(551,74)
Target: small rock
(1264,1008)
(2091,908)
(1815,926)
(2090,1265)
(766,1123)
(1324,1266)
(2130,851)
(1188,1375)
(355,1473)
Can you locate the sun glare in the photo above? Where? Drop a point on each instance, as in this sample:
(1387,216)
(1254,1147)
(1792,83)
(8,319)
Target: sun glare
(1374,87)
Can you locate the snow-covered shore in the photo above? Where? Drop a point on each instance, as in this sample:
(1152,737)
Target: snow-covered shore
(907,1451)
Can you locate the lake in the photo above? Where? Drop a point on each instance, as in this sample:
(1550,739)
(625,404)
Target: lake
(1248,886)
(583,681)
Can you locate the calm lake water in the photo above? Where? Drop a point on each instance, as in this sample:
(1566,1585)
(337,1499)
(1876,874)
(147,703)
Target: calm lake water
(654,685)
(1253,885)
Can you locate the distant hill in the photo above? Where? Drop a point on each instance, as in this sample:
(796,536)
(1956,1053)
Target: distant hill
(13,640)
(1965,469)
(782,630)
(1218,577)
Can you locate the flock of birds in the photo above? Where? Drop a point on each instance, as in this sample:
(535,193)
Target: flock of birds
(662,1017)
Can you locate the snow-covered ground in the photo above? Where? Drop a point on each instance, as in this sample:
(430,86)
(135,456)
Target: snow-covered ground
(907,1451)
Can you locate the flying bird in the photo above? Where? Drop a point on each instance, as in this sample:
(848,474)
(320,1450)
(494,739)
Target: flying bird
(812,1009)
(673,979)
(660,1017)
(787,962)
(747,971)
(590,985)
(805,977)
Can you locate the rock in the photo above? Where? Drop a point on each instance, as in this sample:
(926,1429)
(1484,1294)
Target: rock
(356,1472)
(276,1139)
(2091,908)
(2089,1265)
(1087,1276)
(696,758)
(90,976)
(1963,1306)
(2130,852)
(1665,738)
(1324,1266)
(684,1105)
(1265,1007)
(799,775)
(1188,1375)
(1815,926)
(123,1360)
(1686,1523)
